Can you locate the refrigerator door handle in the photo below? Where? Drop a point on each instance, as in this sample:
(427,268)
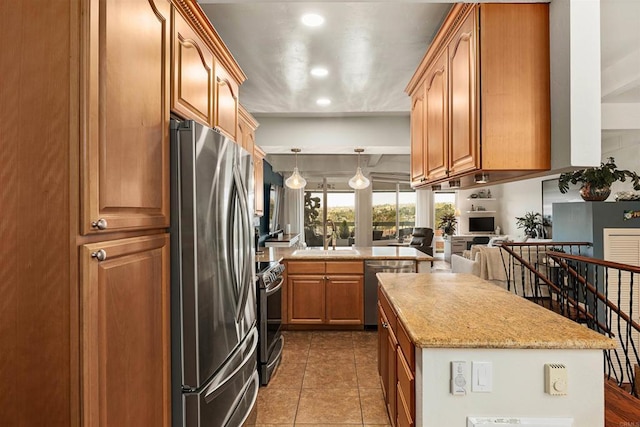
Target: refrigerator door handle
(215,389)
(246,236)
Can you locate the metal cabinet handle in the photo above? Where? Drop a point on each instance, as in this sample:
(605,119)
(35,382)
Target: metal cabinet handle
(385,325)
(100,255)
(100,224)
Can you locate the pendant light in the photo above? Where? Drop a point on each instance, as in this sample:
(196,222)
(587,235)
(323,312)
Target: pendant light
(295,181)
(359,181)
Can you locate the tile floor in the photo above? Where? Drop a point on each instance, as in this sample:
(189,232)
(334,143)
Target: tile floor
(326,378)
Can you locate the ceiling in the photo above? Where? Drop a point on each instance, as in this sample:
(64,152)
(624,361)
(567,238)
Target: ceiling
(371,50)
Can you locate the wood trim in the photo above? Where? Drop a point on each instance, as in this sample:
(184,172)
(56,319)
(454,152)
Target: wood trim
(407,346)
(247,117)
(192,11)
(456,15)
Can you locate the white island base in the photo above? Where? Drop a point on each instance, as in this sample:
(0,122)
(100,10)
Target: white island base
(517,387)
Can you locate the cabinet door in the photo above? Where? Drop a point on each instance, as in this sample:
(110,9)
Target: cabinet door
(417,136)
(464,151)
(436,125)
(258,168)
(383,356)
(193,73)
(306,299)
(125,115)
(226,102)
(345,300)
(392,360)
(125,332)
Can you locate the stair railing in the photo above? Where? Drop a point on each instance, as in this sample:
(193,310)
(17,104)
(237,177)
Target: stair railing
(602,295)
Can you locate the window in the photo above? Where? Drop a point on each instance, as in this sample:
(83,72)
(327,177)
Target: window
(340,208)
(393,210)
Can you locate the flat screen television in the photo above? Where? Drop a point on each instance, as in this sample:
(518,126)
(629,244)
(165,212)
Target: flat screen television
(481,224)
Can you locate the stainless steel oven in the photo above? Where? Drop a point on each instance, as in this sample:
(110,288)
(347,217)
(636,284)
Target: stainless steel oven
(270,341)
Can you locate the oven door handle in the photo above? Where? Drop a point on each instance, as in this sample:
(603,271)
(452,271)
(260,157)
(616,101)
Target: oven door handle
(275,286)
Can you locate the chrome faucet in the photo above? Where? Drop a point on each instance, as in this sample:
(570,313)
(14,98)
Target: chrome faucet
(331,237)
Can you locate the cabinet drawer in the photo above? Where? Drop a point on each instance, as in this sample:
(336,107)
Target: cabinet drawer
(406,383)
(388,311)
(345,267)
(407,346)
(405,416)
(305,267)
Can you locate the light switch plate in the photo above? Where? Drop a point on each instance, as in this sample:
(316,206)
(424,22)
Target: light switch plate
(481,377)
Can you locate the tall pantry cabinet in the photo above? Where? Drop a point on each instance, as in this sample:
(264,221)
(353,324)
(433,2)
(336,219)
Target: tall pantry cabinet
(84,277)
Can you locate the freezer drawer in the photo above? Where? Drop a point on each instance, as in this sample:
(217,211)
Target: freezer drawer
(228,398)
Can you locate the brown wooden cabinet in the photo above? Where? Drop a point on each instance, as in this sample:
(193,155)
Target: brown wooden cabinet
(436,135)
(85,342)
(225,102)
(124,160)
(486,96)
(396,365)
(193,73)
(417,135)
(258,168)
(344,299)
(464,144)
(325,293)
(125,332)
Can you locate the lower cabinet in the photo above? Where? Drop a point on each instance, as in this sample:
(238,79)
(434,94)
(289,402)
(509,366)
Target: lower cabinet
(125,332)
(396,365)
(325,293)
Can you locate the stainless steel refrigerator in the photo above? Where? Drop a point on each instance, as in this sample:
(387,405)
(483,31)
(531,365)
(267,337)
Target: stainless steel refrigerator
(214,335)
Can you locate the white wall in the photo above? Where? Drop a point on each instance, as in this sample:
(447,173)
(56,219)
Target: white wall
(518,386)
(625,148)
(517,198)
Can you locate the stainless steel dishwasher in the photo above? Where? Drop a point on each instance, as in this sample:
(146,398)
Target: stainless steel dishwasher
(371,267)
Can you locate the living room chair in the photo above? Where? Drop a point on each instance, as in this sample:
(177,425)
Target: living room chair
(422,239)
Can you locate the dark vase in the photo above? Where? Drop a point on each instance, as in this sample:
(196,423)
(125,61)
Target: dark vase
(594,194)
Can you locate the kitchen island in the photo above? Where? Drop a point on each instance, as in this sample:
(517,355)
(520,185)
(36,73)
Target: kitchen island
(326,289)
(500,344)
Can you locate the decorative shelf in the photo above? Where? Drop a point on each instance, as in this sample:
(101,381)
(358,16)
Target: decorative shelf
(481,212)
(481,198)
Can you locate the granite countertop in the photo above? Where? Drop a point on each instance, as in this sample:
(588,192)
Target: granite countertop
(449,310)
(357,253)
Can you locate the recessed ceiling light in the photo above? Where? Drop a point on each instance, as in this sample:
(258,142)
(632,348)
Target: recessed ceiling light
(312,19)
(319,72)
(323,102)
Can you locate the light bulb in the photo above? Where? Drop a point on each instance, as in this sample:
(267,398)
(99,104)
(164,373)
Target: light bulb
(295,181)
(359,181)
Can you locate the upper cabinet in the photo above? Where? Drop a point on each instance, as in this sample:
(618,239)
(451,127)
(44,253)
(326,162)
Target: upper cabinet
(226,103)
(247,126)
(206,78)
(480,97)
(258,164)
(193,75)
(124,158)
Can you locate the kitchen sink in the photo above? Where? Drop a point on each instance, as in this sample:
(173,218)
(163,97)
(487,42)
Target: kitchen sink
(313,252)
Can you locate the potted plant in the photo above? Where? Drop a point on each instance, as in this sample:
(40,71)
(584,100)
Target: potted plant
(448,223)
(530,222)
(343,233)
(596,182)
